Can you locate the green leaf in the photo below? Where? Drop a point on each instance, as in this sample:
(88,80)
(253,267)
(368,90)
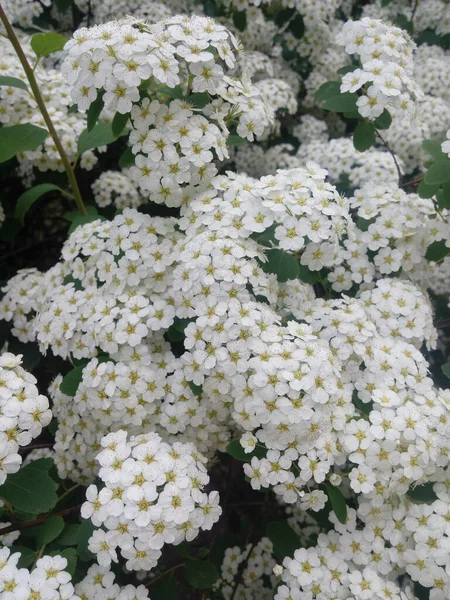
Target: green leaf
(70,555)
(71,381)
(437,251)
(100,135)
(126,159)
(337,501)
(63,5)
(426,191)
(44,44)
(83,219)
(196,389)
(6,81)
(118,123)
(235,449)
(403,22)
(20,138)
(364,136)
(384,120)
(240,19)
(347,69)
(446,369)
(422,493)
(385,2)
(439,172)
(84,533)
(201,575)
(236,140)
(74,214)
(341,103)
(27,556)
(69,535)
(199,99)
(433,148)
(165,589)
(307,276)
(28,198)
(176,93)
(94,111)
(297,26)
(443,196)
(49,531)
(328,90)
(30,490)
(284,539)
(284,265)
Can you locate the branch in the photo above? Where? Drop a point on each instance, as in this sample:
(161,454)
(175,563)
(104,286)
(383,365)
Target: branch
(26,524)
(400,174)
(41,104)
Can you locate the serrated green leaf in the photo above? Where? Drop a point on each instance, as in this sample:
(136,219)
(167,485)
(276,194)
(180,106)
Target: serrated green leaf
(100,135)
(284,265)
(426,191)
(439,172)
(201,575)
(49,531)
(20,138)
(328,90)
(44,44)
(384,120)
(28,198)
(118,123)
(6,81)
(446,369)
(71,381)
(337,501)
(30,490)
(94,111)
(364,136)
(341,103)
(284,539)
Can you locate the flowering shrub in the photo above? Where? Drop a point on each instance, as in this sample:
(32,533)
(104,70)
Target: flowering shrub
(226,244)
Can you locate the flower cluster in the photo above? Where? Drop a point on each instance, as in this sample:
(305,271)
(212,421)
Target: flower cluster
(23,412)
(257,562)
(99,583)
(186,58)
(48,579)
(114,187)
(386,73)
(152,496)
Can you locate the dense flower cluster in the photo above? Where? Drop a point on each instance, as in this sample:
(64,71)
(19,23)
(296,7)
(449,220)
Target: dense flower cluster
(48,579)
(114,187)
(174,144)
(152,496)
(386,73)
(99,583)
(23,412)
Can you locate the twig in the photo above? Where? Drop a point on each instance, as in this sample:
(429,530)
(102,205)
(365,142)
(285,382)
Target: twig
(413,182)
(416,4)
(152,581)
(26,524)
(41,104)
(240,572)
(37,447)
(400,174)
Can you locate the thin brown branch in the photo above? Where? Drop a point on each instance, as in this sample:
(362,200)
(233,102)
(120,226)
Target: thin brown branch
(386,145)
(39,521)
